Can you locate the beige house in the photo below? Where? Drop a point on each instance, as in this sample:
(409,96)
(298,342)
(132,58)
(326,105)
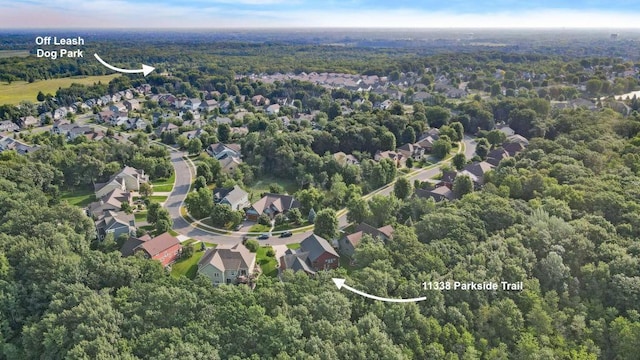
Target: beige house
(228,265)
(128,179)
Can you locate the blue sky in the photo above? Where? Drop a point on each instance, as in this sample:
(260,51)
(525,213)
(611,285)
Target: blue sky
(317,13)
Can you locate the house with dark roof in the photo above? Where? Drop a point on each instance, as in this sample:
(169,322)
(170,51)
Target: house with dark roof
(233,265)
(414,151)
(396,157)
(116,223)
(7,143)
(476,171)
(235,197)
(315,254)
(438,194)
(165,248)
(345,159)
(513,148)
(347,245)
(167,127)
(272,205)
(496,155)
(230,164)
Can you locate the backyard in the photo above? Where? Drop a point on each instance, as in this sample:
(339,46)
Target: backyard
(267,264)
(262,186)
(187,267)
(79,197)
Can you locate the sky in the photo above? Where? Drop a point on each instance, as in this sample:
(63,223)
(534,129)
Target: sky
(617,14)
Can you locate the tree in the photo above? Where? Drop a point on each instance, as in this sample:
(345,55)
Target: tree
(224,130)
(295,216)
(152,212)
(496,137)
(187,251)
(441,148)
(409,163)
(252,245)
(402,189)
(145,190)
(40,96)
(312,216)
(326,224)
(459,161)
(200,182)
(199,203)
(163,214)
(162,226)
(264,219)
(221,214)
(358,210)
(194,146)
(462,185)
(280,219)
(387,141)
(437,116)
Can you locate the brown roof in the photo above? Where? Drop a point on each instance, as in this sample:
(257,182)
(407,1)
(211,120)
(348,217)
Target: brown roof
(364,228)
(159,244)
(234,258)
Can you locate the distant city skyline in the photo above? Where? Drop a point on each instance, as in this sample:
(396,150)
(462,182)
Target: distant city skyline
(620,14)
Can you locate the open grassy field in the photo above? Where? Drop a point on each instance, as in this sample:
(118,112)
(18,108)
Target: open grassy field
(13,53)
(162,188)
(161,182)
(21,90)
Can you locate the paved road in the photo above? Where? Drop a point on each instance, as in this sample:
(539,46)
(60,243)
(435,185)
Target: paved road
(184,178)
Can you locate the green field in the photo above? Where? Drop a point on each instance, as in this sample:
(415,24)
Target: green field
(162,188)
(19,91)
(267,264)
(293,246)
(161,182)
(79,197)
(262,186)
(158,198)
(187,267)
(259,228)
(140,216)
(13,53)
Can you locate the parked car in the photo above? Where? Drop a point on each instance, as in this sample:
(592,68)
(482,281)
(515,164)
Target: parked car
(263,237)
(286,234)
(238,227)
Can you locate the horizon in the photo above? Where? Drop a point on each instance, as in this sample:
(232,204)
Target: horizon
(306,14)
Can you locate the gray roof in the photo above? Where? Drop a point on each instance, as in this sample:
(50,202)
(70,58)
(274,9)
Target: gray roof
(234,258)
(232,195)
(316,246)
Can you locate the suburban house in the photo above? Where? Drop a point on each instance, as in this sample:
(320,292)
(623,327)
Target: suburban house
(8,125)
(230,164)
(194,134)
(396,157)
(348,244)
(272,205)
(136,124)
(413,151)
(345,159)
(235,197)
(118,108)
(116,223)
(76,131)
(273,109)
(233,265)
(221,151)
(220,120)
(132,104)
(477,171)
(315,254)
(7,143)
(165,248)
(208,105)
(438,194)
(496,155)
(505,129)
(26,122)
(259,100)
(166,127)
(518,139)
(192,104)
(113,201)
(426,143)
(128,179)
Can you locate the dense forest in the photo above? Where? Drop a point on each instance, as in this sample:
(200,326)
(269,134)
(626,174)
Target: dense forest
(563,216)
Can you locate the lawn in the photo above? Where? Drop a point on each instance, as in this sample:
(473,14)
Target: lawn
(267,264)
(262,186)
(187,267)
(172,232)
(209,245)
(162,188)
(158,198)
(289,226)
(293,246)
(189,242)
(140,216)
(21,90)
(13,53)
(79,197)
(260,228)
(161,182)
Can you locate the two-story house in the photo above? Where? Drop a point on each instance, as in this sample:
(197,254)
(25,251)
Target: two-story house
(228,265)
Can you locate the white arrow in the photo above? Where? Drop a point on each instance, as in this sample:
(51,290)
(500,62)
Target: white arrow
(146,69)
(340,284)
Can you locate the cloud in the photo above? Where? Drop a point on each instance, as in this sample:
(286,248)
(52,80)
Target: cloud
(290,13)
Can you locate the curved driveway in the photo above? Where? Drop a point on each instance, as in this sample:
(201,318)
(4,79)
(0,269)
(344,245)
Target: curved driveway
(184,177)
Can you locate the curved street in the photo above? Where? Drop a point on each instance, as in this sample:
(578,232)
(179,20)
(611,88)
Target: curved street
(185,173)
